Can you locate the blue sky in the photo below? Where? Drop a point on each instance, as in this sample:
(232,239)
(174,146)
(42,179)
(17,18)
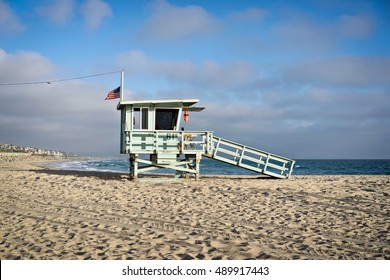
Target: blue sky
(303,79)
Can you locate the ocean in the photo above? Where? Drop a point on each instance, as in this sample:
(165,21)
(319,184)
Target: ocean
(212,167)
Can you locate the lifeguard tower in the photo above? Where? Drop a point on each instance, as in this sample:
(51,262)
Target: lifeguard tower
(152,136)
(151,127)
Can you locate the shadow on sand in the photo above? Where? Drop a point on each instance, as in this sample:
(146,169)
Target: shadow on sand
(126,176)
(87,174)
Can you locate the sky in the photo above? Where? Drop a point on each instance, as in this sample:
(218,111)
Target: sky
(301,79)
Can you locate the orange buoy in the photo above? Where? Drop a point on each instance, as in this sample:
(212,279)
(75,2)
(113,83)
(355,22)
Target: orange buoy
(186,116)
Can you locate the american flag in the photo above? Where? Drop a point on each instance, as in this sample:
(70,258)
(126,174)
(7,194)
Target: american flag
(113,94)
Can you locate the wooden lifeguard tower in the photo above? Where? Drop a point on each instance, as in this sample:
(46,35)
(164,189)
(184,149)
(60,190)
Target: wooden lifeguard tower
(151,135)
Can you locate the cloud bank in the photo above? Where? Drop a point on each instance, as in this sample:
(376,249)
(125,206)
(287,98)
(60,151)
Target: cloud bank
(304,83)
(70,116)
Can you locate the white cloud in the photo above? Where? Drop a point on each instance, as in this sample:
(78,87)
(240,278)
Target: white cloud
(95,12)
(24,66)
(345,71)
(356,25)
(177,71)
(208,74)
(302,34)
(299,31)
(135,61)
(229,75)
(9,22)
(250,14)
(172,22)
(59,11)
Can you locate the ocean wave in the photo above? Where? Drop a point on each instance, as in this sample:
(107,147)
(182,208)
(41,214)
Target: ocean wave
(101,165)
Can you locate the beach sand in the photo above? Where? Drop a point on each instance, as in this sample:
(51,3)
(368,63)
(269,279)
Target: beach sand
(56,214)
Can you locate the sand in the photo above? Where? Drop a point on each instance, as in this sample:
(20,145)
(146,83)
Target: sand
(56,214)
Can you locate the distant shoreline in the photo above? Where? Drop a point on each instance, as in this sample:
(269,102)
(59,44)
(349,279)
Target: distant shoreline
(209,168)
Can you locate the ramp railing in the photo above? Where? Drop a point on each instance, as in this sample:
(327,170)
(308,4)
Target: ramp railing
(167,145)
(250,158)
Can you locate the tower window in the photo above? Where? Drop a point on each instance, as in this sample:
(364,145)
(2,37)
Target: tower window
(166,119)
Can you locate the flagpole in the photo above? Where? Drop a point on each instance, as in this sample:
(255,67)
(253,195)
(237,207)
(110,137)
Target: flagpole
(122,82)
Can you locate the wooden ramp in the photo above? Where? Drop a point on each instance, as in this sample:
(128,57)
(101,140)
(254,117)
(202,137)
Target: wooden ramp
(250,158)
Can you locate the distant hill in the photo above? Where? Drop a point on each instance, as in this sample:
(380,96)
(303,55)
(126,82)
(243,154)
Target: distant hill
(10,148)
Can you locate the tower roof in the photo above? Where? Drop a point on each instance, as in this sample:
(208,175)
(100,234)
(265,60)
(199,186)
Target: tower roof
(176,103)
